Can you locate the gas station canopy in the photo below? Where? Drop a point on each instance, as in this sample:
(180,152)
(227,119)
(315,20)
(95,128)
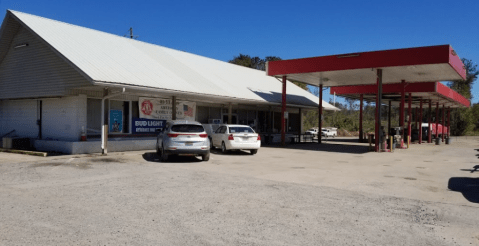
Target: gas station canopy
(425,91)
(420,64)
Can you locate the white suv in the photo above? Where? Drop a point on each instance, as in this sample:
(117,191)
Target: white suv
(182,137)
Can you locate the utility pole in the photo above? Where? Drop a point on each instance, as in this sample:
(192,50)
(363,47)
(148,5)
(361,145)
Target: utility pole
(131,32)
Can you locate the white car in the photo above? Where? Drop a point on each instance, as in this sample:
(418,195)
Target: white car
(236,137)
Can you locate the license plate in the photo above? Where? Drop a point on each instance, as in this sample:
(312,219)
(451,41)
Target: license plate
(188,144)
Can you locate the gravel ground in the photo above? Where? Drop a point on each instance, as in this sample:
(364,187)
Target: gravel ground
(133,199)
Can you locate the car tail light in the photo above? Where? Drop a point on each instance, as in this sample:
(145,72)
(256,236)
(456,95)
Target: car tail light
(203,135)
(171,135)
(259,138)
(230,137)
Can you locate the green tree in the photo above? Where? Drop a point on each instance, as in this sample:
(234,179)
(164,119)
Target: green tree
(260,64)
(463,119)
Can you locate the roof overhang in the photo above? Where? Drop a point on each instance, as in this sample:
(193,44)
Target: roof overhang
(420,64)
(425,91)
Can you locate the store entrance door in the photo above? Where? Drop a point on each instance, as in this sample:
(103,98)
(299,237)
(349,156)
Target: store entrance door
(234,119)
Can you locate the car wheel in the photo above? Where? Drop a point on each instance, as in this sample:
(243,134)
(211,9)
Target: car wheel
(206,157)
(223,148)
(164,156)
(254,151)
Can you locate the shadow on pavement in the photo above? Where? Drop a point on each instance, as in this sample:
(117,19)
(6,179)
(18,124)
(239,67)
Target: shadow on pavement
(469,187)
(153,157)
(329,147)
(231,152)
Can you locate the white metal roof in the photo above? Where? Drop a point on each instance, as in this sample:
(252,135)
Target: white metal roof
(107,58)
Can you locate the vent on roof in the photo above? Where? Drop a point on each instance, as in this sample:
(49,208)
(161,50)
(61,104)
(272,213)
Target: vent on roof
(20,45)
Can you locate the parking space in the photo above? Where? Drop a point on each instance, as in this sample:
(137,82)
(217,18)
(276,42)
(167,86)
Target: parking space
(305,194)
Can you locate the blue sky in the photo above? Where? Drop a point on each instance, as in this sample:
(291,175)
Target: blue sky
(288,29)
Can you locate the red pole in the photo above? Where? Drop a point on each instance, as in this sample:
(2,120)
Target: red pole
(376,130)
(320,130)
(401,110)
(283,110)
(443,122)
(420,122)
(449,122)
(417,118)
(429,134)
(401,106)
(437,119)
(361,97)
(409,110)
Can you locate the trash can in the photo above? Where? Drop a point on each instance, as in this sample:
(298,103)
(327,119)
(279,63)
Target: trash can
(438,141)
(448,140)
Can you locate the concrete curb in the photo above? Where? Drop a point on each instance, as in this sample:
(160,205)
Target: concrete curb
(25,152)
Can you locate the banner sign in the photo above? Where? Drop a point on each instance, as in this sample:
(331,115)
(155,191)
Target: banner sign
(161,109)
(146,125)
(116,121)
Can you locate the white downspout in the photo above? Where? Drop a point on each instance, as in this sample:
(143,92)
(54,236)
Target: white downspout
(103,126)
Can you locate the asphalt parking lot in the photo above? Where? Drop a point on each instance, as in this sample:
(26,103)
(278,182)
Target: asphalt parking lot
(305,194)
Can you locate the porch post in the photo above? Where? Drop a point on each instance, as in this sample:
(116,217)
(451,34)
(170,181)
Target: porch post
(230,113)
(173,107)
(283,110)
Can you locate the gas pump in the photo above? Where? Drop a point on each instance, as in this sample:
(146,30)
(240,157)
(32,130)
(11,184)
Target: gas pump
(395,132)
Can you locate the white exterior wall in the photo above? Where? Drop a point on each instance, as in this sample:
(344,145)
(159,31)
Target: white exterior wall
(19,115)
(35,70)
(64,118)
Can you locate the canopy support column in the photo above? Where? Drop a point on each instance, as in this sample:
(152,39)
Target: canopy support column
(361,134)
(420,121)
(401,109)
(409,111)
(449,122)
(378,108)
(283,110)
(437,119)
(389,117)
(429,134)
(300,123)
(443,122)
(416,115)
(320,131)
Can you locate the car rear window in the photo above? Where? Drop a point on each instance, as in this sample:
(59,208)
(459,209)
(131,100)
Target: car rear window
(241,129)
(187,128)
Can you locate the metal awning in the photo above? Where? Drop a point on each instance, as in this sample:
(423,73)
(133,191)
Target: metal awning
(425,91)
(411,65)
(420,64)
